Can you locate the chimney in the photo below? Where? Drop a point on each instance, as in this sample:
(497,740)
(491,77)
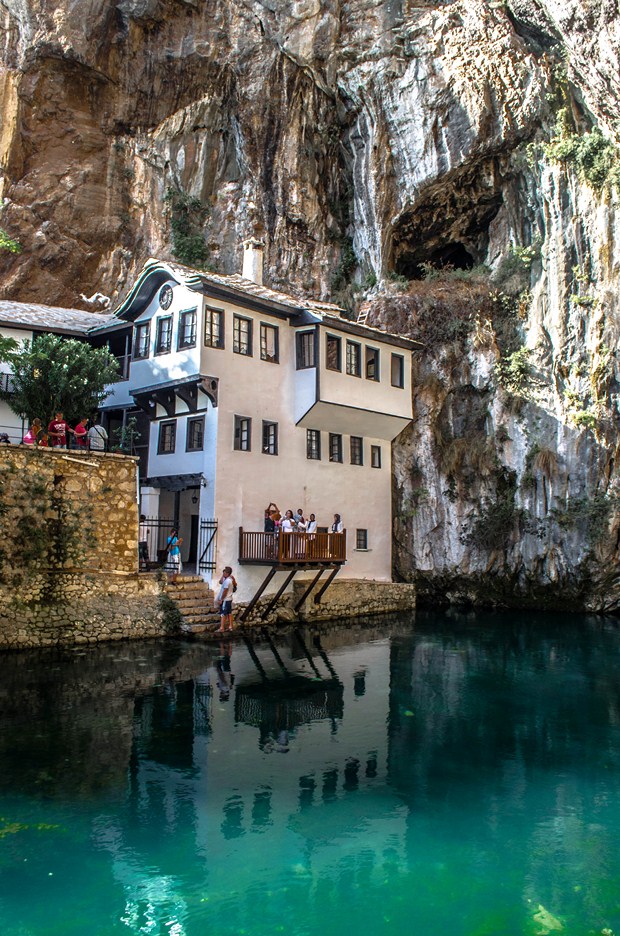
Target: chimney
(253,260)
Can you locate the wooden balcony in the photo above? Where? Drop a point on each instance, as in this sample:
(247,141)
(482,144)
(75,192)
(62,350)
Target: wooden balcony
(293,550)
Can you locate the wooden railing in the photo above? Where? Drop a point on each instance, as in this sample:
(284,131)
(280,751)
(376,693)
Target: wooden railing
(292,548)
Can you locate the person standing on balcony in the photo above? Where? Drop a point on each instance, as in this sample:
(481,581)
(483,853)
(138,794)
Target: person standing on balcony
(288,524)
(337,524)
(311,524)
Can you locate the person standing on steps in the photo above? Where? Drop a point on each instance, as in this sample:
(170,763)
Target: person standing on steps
(225,598)
(173,563)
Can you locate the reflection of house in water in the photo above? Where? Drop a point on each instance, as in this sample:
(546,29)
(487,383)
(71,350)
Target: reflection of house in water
(278,706)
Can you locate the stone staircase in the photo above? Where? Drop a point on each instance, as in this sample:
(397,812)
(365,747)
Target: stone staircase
(194,600)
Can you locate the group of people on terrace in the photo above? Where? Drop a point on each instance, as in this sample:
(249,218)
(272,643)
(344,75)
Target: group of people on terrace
(295,522)
(58,434)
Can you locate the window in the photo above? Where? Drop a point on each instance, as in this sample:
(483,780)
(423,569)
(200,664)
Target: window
(372,364)
(305,349)
(163,335)
(375,456)
(335,447)
(398,370)
(270,438)
(357,450)
(242,335)
(354,359)
(268,343)
(243,434)
(361,539)
(187,329)
(313,444)
(214,328)
(333,357)
(167,437)
(195,434)
(142,341)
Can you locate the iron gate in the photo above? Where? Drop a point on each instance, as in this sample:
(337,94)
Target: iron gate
(206,545)
(157,530)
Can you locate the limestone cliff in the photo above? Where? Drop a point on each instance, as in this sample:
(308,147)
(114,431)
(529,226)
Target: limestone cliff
(382,150)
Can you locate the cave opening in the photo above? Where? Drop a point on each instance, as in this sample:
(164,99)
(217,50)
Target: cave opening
(454,256)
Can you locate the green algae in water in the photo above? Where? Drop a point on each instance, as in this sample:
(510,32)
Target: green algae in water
(459,778)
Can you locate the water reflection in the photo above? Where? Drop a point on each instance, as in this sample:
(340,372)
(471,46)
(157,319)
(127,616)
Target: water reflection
(457,775)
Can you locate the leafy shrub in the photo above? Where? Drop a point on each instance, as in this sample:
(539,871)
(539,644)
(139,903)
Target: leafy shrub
(595,158)
(187,218)
(514,371)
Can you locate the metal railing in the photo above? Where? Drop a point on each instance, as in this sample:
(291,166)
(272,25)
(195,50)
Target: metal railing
(6,383)
(292,548)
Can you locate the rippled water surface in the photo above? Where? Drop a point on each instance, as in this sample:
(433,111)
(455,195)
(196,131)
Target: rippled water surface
(442,775)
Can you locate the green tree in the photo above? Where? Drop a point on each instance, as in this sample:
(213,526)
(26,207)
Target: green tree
(53,374)
(7,347)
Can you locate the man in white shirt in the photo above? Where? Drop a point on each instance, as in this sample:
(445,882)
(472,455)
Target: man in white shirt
(97,438)
(225,598)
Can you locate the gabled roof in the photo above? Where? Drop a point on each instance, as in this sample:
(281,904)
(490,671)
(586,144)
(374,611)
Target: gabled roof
(236,288)
(34,317)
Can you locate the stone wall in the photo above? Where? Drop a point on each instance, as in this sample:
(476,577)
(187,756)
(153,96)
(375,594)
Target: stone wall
(96,494)
(85,587)
(352,598)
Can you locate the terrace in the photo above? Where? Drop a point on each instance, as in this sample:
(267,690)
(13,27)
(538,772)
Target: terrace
(292,553)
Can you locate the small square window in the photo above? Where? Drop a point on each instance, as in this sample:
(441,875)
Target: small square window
(372,364)
(187,329)
(305,349)
(335,447)
(357,450)
(242,336)
(270,438)
(167,437)
(195,434)
(361,539)
(333,355)
(243,434)
(375,456)
(142,340)
(214,328)
(398,370)
(354,359)
(313,444)
(163,335)
(269,343)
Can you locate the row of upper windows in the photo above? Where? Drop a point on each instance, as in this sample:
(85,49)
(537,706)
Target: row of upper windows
(243,343)
(242,442)
(357,358)
(194,437)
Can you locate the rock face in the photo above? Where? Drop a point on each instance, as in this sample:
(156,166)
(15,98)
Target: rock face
(362,140)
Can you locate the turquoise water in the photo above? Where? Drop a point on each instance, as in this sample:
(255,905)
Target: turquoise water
(447,775)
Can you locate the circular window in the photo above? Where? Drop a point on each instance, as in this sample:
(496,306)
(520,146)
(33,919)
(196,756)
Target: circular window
(165,297)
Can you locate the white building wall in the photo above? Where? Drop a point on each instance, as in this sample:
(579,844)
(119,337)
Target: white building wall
(10,422)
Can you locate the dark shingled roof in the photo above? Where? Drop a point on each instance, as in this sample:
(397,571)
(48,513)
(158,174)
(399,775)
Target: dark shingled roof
(31,315)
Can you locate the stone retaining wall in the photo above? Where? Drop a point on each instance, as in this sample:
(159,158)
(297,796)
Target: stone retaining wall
(77,607)
(69,551)
(349,598)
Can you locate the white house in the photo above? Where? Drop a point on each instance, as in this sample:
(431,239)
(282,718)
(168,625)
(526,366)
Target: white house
(255,396)
(23,321)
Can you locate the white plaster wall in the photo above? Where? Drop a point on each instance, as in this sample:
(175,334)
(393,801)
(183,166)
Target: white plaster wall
(178,462)
(175,365)
(9,421)
(378,395)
